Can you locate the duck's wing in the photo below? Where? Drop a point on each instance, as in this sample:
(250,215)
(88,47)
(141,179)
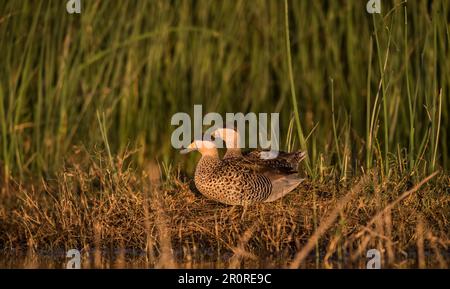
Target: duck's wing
(245,166)
(282,161)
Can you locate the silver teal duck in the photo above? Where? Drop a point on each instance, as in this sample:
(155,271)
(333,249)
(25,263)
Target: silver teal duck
(238,181)
(282,161)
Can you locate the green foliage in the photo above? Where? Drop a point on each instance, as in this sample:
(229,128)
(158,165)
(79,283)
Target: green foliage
(136,63)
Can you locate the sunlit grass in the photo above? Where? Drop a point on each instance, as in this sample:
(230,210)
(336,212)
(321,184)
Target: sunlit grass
(105,209)
(365,95)
(129,60)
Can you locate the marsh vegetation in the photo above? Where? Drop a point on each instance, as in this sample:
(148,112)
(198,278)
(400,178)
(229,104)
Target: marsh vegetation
(85,154)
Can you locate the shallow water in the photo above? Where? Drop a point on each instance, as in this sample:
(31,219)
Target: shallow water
(134,259)
(57,259)
(118,258)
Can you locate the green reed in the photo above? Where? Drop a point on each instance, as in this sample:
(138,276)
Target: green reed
(139,62)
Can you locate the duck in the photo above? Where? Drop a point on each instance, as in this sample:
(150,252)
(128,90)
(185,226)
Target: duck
(237,180)
(284,162)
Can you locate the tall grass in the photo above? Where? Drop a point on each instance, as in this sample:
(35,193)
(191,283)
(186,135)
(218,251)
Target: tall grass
(126,218)
(291,81)
(138,62)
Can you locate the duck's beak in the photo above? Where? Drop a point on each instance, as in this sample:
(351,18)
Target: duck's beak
(189,149)
(186,151)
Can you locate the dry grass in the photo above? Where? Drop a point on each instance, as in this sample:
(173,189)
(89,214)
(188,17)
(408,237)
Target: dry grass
(367,96)
(97,208)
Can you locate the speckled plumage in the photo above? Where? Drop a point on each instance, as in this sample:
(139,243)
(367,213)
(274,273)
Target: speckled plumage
(283,162)
(231,182)
(237,180)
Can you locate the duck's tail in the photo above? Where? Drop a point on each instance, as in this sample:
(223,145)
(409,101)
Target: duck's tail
(283,186)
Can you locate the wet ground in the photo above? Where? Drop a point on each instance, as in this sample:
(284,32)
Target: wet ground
(138,259)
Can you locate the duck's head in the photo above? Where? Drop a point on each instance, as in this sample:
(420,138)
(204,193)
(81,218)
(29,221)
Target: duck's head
(228,135)
(206,148)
